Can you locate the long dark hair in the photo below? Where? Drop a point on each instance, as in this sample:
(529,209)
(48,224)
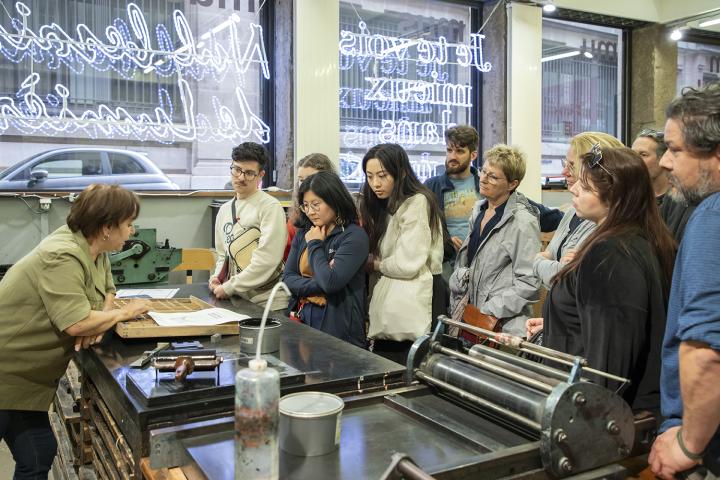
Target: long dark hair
(374,211)
(329,187)
(627,190)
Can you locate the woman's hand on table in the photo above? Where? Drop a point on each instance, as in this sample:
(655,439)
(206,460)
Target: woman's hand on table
(135,307)
(87,342)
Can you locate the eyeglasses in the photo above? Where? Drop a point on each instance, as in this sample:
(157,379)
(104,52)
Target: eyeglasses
(248,174)
(492,178)
(656,135)
(314,206)
(597,157)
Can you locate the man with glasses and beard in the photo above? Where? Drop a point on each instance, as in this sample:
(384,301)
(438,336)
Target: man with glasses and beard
(650,145)
(689,445)
(250,234)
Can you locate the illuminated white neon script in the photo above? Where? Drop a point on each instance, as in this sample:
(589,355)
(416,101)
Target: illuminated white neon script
(127,48)
(385,62)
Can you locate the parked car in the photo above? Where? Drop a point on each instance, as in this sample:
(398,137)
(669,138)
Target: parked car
(75,168)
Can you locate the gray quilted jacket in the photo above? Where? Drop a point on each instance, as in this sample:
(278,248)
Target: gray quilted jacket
(500,281)
(546,269)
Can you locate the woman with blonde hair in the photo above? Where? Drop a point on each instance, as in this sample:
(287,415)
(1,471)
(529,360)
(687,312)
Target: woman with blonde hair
(572,230)
(493,270)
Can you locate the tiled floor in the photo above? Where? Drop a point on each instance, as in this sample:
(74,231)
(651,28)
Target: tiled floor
(7,465)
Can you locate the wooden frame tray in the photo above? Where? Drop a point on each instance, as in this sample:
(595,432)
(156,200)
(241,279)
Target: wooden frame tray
(145,327)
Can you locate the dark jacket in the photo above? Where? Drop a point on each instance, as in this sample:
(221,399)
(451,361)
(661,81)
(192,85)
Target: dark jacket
(549,218)
(675,213)
(611,311)
(343,284)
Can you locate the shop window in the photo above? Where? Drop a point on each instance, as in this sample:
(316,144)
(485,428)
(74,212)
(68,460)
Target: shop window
(698,64)
(182,81)
(406,75)
(581,87)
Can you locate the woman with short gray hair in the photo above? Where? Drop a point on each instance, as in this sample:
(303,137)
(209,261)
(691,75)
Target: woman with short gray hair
(493,271)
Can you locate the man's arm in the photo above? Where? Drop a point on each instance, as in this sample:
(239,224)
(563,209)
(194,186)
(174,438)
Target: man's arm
(699,374)
(699,377)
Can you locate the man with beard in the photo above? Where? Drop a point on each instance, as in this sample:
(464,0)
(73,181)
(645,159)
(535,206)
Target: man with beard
(250,234)
(690,396)
(458,188)
(650,145)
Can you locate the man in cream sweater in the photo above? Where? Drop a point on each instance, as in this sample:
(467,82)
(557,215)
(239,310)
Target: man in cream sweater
(250,234)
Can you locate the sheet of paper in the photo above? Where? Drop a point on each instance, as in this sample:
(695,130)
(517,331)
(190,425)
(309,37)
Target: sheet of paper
(200,318)
(146,293)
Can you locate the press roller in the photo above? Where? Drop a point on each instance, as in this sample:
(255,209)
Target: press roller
(580,425)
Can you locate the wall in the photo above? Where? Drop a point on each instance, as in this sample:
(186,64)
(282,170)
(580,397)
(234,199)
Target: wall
(653,77)
(185,221)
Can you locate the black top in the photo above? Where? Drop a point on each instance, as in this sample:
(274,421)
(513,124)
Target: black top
(675,213)
(477,236)
(612,311)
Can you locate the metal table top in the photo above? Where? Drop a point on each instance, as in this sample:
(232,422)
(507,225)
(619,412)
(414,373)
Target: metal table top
(328,364)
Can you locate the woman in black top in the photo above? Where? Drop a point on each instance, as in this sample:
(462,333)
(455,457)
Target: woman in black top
(609,303)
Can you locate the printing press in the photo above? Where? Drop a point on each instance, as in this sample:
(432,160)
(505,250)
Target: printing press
(485,413)
(133,386)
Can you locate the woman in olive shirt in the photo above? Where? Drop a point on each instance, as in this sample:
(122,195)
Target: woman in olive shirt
(56,298)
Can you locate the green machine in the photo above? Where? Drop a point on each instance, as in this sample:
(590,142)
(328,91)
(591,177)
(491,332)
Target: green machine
(143,260)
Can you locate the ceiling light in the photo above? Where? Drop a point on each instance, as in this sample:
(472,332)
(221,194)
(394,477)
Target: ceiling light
(676,34)
(560,55)
(709,23)
(549,7)
(588,55)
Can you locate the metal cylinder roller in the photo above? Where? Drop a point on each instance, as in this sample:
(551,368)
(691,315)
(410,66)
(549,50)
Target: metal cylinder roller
(515,397)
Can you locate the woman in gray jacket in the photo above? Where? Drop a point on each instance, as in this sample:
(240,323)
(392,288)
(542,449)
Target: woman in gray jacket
(493,270)
(572,230)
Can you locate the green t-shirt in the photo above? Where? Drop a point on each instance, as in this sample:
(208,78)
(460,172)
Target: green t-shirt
(51,288)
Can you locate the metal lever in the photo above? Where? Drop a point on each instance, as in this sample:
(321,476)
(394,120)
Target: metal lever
(147,356)
(401,466)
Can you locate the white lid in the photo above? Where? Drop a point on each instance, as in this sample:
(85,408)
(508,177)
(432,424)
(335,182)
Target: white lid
(310,404)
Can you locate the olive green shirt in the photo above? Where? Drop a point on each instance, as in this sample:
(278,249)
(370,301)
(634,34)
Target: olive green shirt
(50,289)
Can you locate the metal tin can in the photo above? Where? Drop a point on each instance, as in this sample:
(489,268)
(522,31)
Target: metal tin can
(310,423)
(249,331)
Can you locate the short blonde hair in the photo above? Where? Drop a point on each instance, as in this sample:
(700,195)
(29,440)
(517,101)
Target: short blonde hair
(581,144)
(510,160)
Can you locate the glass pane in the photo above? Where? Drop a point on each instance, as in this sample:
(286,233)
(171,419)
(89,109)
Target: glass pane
(180,80)
(122,164)
(71,165)
(582,78)
(405,77)
(698,64)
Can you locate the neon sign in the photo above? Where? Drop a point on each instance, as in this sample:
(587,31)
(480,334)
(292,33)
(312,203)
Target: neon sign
(30,115)
(127,48)
(404,77)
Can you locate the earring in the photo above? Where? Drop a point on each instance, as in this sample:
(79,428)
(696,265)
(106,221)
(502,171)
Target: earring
(106,237)
(339,221)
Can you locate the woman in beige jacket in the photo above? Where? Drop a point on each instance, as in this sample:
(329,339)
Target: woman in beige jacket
(403,221)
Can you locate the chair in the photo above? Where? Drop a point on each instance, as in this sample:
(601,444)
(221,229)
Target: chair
(196,259)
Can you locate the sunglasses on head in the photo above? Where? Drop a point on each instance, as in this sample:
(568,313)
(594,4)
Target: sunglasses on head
(656,135)
(597,157)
